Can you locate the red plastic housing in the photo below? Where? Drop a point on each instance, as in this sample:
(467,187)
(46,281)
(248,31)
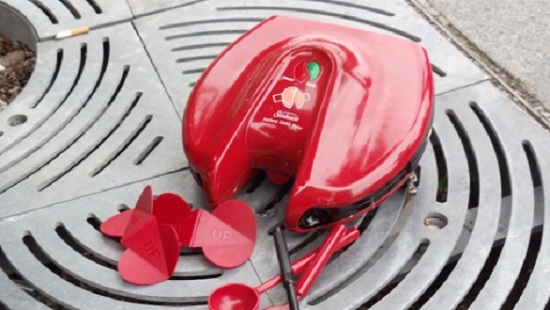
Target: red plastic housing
(344,111)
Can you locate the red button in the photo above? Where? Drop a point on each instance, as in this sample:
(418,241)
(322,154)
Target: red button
(300,72)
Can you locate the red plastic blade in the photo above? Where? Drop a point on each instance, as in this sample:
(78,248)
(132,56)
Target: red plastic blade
(139,226)
(154,260)
(116,224)
(186,229)
(171,247)
(228,235)
(171,209)
(145,200)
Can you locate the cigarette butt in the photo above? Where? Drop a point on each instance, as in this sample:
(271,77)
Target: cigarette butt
(71,33)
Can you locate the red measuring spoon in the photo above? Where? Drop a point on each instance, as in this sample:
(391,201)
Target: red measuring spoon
(239,296)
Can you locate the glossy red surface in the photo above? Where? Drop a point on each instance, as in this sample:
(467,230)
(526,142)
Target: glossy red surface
(313,270)
(342,136)
(234,296)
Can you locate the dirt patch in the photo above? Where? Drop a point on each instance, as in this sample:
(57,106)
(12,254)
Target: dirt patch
(16,66)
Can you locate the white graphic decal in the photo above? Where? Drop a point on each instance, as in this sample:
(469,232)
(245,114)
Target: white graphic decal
(292,96)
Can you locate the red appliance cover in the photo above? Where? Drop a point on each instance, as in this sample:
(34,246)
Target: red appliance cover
(344,111)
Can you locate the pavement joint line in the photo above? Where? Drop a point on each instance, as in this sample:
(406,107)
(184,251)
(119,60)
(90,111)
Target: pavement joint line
(462,87)
(499,76)
(5,218)
(156,71)
(162,10)
(131,9)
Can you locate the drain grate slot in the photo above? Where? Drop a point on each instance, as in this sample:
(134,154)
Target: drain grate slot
(140,128)
(194,58)
(73,116)
(438,71)
(68,276)
(23,177)
(45,10)
(71,8)
(59,60)
(94,221)
(319,12)
(442,173)
(193,71)
(148,150)
(432,289)
(534,167)
(199,46)
(506,187)
(95,147)
(411,263)
(72,242)
(205,33)
(63,125)
(470,158)
(210,21)
(483,277)
(525,273)
(94,121)
(536,239)
(26,286)
(95,6)
(355,6)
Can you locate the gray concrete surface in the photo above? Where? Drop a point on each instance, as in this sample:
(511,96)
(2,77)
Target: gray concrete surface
(102,121)
(513,34)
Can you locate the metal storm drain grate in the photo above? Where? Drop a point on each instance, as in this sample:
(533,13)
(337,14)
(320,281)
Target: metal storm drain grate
(92,117)
(95,125)
(185,40)
(52,16)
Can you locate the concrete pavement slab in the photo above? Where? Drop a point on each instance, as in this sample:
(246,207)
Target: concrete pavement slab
(513,34)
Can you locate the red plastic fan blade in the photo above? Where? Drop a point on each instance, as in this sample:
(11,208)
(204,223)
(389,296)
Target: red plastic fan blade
(171,209)
(154,260)
(139,225)
(187,227)
(116,225)
(145,200)
(171,247)
(228,235)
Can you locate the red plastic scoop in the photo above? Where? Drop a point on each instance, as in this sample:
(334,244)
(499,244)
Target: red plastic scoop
(239,296)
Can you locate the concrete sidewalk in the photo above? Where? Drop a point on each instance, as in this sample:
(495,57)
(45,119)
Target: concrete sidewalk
(509,39)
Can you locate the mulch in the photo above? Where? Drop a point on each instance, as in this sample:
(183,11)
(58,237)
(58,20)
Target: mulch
(16,66)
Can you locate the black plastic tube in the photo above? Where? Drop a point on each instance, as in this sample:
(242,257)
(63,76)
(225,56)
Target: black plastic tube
(286,269)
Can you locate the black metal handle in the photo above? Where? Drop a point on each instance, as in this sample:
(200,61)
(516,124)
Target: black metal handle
(286,269)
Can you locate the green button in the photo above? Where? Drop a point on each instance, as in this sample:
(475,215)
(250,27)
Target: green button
(314,70)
